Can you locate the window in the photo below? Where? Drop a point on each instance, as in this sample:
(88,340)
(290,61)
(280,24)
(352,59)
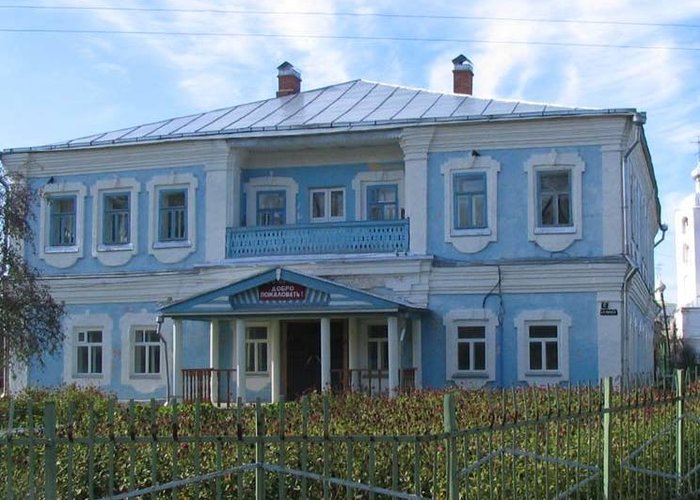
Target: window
(327,205)
(256,349)
(382,202)
(116,224)
(89,352)
(543,347)
(172,218)
(271,208)
(146,351)
(62,222)
(471,348)
(554,198)
(469,201)
(377,347)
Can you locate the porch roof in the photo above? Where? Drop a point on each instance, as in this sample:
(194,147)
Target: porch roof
(279,292)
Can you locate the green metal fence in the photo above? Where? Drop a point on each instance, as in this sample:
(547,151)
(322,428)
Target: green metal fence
(638,441)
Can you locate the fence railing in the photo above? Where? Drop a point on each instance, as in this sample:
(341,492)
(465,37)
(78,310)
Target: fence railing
(639,441)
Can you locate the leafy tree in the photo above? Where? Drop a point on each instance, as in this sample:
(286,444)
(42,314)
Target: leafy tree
(30,319)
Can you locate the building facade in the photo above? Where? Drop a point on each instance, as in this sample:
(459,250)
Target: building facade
(361,235)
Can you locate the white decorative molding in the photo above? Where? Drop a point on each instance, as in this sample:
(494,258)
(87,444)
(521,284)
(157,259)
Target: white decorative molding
(62,257)
(415,144)
(127,324)
(372,178)
(471,240)
(114,255)
(271,183)
(452,320)
(71,325)
(555,239)
(171,252)
(543,317)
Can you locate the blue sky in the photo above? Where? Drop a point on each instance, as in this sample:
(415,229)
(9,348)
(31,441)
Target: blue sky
(58,86)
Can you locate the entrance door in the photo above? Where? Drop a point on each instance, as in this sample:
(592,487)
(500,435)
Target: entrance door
(303,348)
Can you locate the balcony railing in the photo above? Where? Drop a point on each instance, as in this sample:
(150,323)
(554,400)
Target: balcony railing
(213,385)
(324,238)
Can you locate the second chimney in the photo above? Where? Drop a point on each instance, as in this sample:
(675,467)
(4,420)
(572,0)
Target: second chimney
(289,80)
(463,75)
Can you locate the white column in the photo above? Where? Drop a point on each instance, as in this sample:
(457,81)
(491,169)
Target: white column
(394,364)
(416,336)
(354,353)
(275,362)
(415,144)
(240,360)
(214,359)
(325,354)
(177,359)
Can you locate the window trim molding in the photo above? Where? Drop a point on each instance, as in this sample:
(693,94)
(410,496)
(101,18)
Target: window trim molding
(522,323)
(143,383)
(133,374)
(557,238)
(372,178)
(471,240)
(71,325)
(256,184)
(327,205)
(172,251)
(470,317)
(62,256)
(114,255)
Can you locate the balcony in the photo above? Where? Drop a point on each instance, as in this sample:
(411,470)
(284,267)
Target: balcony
(360,237)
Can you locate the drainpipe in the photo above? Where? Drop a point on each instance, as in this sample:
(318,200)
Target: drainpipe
(159,323)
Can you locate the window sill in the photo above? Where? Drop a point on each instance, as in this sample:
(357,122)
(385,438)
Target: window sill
(172,244)
(544,373)
(471,232)
(93,376)
(145,376)
(257,374)
(555,230)
(66,249)
(476,375)
(115,248)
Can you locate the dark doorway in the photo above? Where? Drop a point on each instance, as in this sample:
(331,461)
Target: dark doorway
(303,348)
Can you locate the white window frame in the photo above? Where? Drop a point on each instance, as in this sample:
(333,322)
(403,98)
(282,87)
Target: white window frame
(146,345)
(169,252)
(364,179)
(555,238)
(476,239)
(114,255)
(62,256)
(452,320)
(255,343)
(543,317)
(143,383)
(382,346)
(71,325)
(327,194)
(90,347)
(256,184)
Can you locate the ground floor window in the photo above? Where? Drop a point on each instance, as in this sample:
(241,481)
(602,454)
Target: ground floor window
(256,349)
(89,352)
(146,351)
(471,348)
(377,347)
(543,347)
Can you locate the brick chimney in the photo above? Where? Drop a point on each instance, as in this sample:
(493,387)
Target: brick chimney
(463,75)
(289,79)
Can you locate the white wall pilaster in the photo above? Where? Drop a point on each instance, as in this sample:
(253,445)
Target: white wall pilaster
(415,144)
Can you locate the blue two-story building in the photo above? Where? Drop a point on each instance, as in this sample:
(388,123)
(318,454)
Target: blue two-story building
(358,236)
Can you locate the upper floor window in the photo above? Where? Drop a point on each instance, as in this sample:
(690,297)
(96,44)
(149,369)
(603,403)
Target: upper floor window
(554,198)
(327,205)
(116,225)
(377,347)
(271,208)
(172,215)
(146,351)
(62,221)
(382,202)
(89,352)
(469,201)
(256,349)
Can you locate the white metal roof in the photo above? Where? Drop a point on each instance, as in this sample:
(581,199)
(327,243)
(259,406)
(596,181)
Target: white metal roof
(353,105)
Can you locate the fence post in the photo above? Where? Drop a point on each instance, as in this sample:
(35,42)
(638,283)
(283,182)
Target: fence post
(259,452)
(50,454)
(607,438)
(450,427)
(679,431)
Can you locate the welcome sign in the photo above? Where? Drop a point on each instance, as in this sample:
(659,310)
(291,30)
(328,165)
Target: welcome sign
(281,291)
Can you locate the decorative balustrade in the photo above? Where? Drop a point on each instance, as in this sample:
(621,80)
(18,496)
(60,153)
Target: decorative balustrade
(372,382)
(216,385)
(324,238)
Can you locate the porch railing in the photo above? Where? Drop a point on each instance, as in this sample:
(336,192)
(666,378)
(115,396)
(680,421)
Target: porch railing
(356,237)
(372,382)
(216,385)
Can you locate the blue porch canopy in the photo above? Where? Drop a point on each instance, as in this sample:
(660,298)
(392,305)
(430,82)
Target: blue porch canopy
(283,292)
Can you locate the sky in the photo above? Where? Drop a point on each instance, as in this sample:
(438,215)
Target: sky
(71,68)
